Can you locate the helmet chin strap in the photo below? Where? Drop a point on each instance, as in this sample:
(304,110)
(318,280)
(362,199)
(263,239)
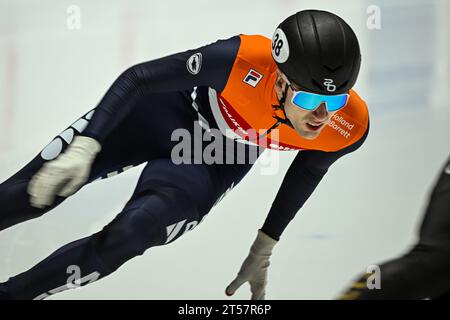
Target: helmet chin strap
(280,121)
(285,121)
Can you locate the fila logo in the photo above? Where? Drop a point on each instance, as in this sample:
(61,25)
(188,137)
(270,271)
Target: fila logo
(174,229)
(252,78)
(329,84)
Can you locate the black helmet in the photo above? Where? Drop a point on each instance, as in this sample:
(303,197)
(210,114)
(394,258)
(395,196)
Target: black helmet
(317,51)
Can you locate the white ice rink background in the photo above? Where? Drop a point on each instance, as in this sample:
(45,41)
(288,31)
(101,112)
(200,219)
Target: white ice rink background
(365,210)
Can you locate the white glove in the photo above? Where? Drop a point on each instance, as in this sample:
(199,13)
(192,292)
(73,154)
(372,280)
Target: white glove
(64,175)
(254,268)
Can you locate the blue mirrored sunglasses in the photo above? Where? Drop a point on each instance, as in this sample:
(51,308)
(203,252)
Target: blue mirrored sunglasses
(311,101)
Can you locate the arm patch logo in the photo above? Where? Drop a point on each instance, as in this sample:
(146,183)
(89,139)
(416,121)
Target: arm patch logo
(194,63)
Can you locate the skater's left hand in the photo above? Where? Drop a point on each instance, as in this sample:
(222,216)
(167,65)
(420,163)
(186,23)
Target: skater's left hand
(254,268)
(64,175)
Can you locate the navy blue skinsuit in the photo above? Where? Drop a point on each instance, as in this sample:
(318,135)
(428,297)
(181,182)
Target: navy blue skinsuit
(134,122)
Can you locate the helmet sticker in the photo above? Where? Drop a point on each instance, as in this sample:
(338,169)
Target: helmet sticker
(328,83)
(280,46)
(194,63)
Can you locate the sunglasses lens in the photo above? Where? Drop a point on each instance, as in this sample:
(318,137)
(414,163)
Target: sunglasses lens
(306,101)
(335,103)
(310,101)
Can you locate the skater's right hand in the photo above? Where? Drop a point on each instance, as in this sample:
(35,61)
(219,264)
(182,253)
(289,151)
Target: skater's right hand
(66,174)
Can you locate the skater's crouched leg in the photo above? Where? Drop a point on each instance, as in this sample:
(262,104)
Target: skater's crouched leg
(154,218)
